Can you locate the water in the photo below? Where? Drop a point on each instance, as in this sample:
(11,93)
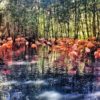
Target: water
(51,88)
(47,89)
(37,79)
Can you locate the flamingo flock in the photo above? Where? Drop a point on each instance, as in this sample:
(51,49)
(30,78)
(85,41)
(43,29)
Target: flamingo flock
(72,51)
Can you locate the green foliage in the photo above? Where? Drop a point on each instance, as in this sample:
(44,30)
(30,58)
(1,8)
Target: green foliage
(56,17)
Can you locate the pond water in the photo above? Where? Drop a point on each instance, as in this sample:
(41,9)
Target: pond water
(36,78)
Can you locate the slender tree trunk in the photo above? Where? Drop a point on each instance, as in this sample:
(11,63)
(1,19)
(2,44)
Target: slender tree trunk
(8,30)
(52,28)
(65,29)
(82,29)
(68,29)
(44,35)
(90,24)
(86,22)
(61,34)
(98,27)
(38,20)
(78,18)
(94,18)
(75,24)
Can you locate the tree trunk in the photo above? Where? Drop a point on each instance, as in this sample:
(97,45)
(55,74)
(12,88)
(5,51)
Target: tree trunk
(86,18)
(75,24)
(94,17)
(98,21)
(44,35)
(68,29)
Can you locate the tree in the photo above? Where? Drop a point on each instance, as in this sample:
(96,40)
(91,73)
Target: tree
(55,18)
